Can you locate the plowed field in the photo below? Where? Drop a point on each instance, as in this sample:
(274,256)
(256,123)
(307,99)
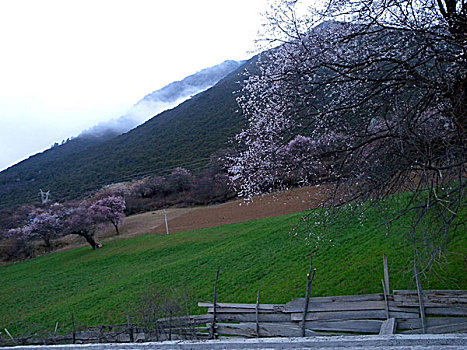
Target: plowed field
(181,219)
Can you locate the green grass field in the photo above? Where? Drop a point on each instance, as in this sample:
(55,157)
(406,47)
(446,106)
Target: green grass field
(101,287)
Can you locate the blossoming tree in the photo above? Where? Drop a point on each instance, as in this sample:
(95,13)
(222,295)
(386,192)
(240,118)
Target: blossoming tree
(42,224)
(110,208)
(382,85)
(79,220)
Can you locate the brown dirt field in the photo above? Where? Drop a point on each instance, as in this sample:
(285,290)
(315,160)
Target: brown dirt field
(183,219)
(271,205)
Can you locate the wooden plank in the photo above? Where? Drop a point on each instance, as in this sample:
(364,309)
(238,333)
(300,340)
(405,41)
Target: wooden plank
(354,326)
(271,307)
(431,296)
(251,317)
(431,300)
(337,306)
(407,324)
(428,303)
(436,297)
(352,315)
(410,309)
(194,319)
(86,336)
(451,328)
(341,298)
(266,330)
(388,327)
(446,311)
(229,310)
(447,293)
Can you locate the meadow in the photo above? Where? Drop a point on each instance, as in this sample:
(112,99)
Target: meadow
(270,255)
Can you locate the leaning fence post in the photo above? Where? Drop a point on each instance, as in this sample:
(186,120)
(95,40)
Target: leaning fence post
(386,301)
(309,279)
(9,334)
(257,314)
(56,329)
(212,333)
(421,303)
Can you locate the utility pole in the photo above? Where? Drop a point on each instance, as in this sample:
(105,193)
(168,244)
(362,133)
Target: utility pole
(166,223)
(44,196)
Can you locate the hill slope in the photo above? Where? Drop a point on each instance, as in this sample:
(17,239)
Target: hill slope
(103,286)
(184,136)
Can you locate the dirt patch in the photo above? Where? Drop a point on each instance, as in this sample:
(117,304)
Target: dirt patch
(272,205)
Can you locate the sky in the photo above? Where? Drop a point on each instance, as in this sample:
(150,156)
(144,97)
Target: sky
(67,65)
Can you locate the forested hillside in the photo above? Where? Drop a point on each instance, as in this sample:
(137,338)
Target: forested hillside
(184,136)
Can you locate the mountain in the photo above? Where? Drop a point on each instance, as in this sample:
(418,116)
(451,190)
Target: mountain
(183,136)
(165,98)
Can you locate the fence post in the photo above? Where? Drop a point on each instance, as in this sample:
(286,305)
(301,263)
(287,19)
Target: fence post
(385,283)
(56,329)
(212,333)
(421,303)
(130,329)
(386,273)
(101,333)
(386,302)
(73,329)
(309,279)
(257,314)
(170,325)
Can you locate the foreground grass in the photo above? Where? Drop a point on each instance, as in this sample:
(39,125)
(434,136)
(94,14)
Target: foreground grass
(101,287)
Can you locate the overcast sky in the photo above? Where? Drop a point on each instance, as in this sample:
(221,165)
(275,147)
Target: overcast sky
(67,65)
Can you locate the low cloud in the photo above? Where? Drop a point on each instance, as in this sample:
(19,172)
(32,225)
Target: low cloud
(163,99)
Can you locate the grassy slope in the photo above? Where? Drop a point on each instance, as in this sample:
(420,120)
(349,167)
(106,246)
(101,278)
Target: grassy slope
(102,286)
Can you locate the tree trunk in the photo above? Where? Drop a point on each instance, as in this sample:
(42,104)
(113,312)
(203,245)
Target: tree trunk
(116,228)
(89,238)
(47,244)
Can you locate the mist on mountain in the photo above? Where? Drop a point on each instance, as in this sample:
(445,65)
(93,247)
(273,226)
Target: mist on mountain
(163,99)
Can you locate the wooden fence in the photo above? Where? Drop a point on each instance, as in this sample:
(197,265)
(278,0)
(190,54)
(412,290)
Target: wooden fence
(403,311)
(442,311)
